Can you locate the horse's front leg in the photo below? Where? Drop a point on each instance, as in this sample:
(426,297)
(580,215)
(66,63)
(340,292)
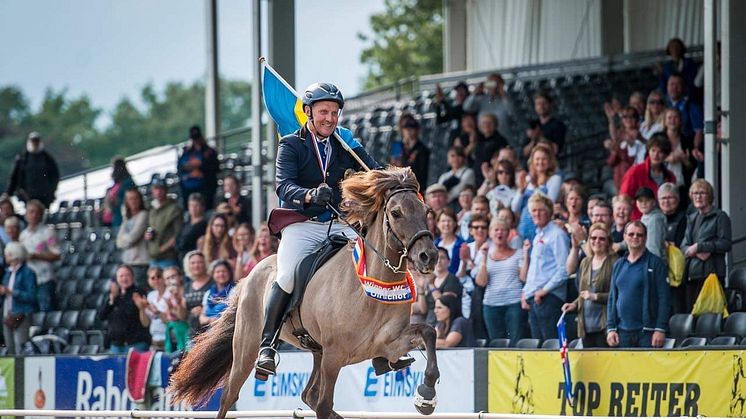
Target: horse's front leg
(425,400)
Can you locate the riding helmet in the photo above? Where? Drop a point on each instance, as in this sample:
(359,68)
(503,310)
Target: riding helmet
(318,92)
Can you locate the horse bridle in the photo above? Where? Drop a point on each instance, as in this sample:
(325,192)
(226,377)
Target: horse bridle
(404,248)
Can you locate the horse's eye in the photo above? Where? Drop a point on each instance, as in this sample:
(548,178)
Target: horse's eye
(396,213)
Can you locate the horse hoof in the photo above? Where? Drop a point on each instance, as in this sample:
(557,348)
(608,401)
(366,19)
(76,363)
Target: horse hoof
(424,400)
(260,376)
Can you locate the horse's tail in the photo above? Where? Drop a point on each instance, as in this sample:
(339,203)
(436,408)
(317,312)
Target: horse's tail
(205,367)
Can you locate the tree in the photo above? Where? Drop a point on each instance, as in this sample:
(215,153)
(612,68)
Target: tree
(407,40)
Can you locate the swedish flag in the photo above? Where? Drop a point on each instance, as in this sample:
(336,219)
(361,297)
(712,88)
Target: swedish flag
(286,108)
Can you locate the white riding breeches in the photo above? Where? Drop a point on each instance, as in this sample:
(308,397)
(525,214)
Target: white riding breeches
(298,240)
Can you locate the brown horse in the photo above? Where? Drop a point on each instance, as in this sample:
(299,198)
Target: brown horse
(349,326)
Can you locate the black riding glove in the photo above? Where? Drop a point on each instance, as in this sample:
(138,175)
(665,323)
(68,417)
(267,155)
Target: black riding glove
(321,195)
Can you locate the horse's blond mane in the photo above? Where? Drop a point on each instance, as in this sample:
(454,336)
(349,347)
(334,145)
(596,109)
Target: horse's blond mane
(364,193)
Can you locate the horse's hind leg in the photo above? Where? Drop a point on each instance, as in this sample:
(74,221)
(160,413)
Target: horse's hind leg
(310,394)
(330,366)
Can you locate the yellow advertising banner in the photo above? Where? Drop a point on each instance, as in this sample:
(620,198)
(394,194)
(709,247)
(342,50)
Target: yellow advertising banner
(619,383)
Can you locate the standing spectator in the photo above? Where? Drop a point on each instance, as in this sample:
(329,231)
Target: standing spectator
(487,143)
(243,243)
(264,246)
(12,227)
(514,239)
(6,210)
(198,282)
(679,161)
(114,198)
(480,206)
(453,330)
(153,309)
(625,146)
(692,118)
(125,329)
(638,306)
(465,199)
(499,272)
(131,236)
(668,201)
(216,244)
(653,121)
(196,226)
(35,174)
(622,207)
(215,300)
(491,98)
(594,278)
(654,220)
(240,205)
(678,64)
(637,101)
(651,173)
(574,202)
(164,225)
(544,271)
(469,132)
(177,329)
(542,166)
(451,110)
(41,245)
(706,242)
(19,296)
(473,293)
(198,168)
(410,151)
(499,185)
(552,129)
(459,177)
(448,238)
(436,197)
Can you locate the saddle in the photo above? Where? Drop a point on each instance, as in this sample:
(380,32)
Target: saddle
(303,274)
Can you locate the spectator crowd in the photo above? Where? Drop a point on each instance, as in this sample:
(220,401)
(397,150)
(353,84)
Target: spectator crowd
(520,240)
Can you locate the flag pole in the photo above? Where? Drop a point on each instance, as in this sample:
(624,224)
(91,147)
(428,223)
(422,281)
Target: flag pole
(263,60)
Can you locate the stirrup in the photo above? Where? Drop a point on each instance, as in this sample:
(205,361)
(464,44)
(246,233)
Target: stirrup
(382,365)
(262,373)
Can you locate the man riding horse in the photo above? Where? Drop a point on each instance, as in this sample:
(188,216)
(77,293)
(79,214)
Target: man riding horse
(310,166)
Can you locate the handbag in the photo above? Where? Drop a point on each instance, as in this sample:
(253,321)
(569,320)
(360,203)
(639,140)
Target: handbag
(14,320)
(280,218)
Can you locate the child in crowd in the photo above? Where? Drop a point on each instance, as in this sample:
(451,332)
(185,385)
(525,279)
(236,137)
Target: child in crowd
(654,221)
(177,328)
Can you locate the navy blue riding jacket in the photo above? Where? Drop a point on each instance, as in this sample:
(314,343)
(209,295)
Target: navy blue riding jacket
(298,171)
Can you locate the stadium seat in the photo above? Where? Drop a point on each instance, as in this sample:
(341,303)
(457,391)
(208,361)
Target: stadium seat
(681,326)
(723,341)
(95,337)
(94,271)
(37,319)
(499,343)
(70,319)
(73,349)
(528,343)
(94,301)
(90,349)
(576,344)
(52,319)
(735,325)
(708,325)
(736,291)
(85,287)
(77,337)
(75,302)
(78,272)
(61,332)
(550,344)
(66,288)
(480,343)
(87,319)
(670,343)
(693,341)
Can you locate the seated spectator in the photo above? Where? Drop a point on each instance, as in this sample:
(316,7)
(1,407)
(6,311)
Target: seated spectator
(668,201)
(198,168)
(6,210)
(626,148)
(469,133)
(13,228)
(197,283)
(19,297)
(499,185)
(499,272)
(154,307)
(507,216)
(450,109)
(436,197)
(453,330)
(510,154)
(216,244)
(177,328)
(638,306)
(654,220)
(480,205)
(706,242)
(264,246)
(622,207)
(471,298)
(164,225)
(679,64)
(653,121)
(240,206)
(459,177)
(491,98)
(410,151)
(692,118)
(224,210)
(243,243)
(465,199)
(125,328)
(680,161)
(111,214)
(488,143)
(542,165)
(41,244)
(196,227)
(448,239)
(637,101)
(651,173)
(594,278)
(215,300)
(544,271)
(442,281)
(131,236)
(552,128)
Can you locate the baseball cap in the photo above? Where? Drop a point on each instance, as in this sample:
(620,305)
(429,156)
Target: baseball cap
(435,187)
(644,192)
(34,136)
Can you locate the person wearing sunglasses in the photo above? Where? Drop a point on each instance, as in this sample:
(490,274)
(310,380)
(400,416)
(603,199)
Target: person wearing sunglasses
(638,307)
(653,121)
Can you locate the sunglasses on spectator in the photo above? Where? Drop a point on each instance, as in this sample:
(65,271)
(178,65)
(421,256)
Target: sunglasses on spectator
(479,227)
(598,238)
(638,235)
(503,172)
(655,102)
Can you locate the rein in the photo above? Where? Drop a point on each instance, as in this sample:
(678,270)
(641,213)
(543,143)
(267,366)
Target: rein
(404,248)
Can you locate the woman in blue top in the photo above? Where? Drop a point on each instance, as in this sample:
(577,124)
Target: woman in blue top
(19,290)
(448,238)
(542,167)
(215,300)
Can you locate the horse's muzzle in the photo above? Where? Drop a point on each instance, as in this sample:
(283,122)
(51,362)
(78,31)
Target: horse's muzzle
(424,261)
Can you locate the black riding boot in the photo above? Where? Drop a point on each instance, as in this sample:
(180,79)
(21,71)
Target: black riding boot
(273,313)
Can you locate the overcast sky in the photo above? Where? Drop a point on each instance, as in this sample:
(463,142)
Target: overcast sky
(110,48)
